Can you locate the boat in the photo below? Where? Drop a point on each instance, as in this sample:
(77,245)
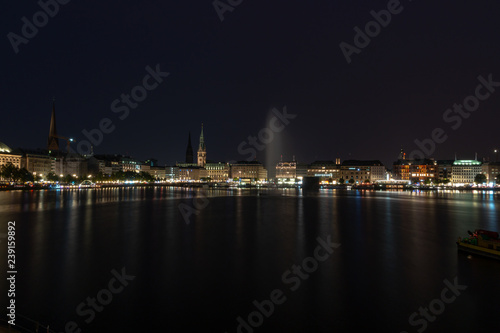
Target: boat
(481,242)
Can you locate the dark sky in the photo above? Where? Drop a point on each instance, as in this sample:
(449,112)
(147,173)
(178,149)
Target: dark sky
(230,74)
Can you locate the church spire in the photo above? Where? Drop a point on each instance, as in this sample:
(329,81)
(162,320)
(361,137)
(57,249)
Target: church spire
(202,150)
(202,140)
(53,141)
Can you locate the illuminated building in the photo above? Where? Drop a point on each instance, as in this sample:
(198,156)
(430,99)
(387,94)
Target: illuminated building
(38,162)
(191,173)
(7,156)
(286,170)
(445,169)
(491,170)
(217,172)
(362,171)
(157,172)
(464,171)
(324,170)
(414,170)
(248,171)
(74,164)
(291,170)
(421,170)
(109,164)
(171,173)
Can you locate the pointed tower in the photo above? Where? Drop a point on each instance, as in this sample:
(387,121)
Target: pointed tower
(53,141)
(202,150)
(189,150)
(402,154)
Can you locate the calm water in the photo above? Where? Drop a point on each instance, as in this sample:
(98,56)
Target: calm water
(396,249)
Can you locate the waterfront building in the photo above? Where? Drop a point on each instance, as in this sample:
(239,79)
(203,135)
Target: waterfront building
(109,164)
(286,170)
(465,171)
(291,170)
(414,170)
(422,170)
(324,170)
(217,172)
(157,172)
(401,167)
(401,170)
(38,162)
(8,156)
(301,170)
(248,171)
(191,173)
(362,171)
(491,170)
(445,169)
(73,164)
(171,173)
(130,164)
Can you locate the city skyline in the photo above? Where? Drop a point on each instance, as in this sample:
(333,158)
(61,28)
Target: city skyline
(53,143)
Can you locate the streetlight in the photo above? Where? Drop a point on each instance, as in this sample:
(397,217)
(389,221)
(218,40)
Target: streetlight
(496,155)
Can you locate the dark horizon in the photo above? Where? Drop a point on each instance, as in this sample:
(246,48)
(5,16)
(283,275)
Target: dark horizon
(229,75)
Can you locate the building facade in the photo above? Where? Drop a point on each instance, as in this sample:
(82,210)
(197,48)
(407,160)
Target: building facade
(286,170)
(38,164)
(8,156)
(324,170)
(362,171)
(491,170)
(217,172)
(445,169)
(465,171)
(249,171)
(193,173)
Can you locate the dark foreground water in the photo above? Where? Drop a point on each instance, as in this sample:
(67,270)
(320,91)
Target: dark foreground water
(396,251)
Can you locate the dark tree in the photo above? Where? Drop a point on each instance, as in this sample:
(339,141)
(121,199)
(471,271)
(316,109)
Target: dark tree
(480,179)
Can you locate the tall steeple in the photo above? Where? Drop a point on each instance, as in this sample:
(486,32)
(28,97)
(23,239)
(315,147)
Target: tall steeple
(189,150)
(202,150)
(53,141)
(402,154)
(202,140)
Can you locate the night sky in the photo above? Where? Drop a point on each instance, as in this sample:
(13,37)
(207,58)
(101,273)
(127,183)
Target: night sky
(230,74)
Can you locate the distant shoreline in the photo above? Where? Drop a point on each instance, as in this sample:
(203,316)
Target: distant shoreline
(213,186)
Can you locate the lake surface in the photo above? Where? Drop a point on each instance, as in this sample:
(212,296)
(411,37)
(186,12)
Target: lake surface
(393,252)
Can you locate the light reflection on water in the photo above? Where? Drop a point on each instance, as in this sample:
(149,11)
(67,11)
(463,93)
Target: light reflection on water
(397,247)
